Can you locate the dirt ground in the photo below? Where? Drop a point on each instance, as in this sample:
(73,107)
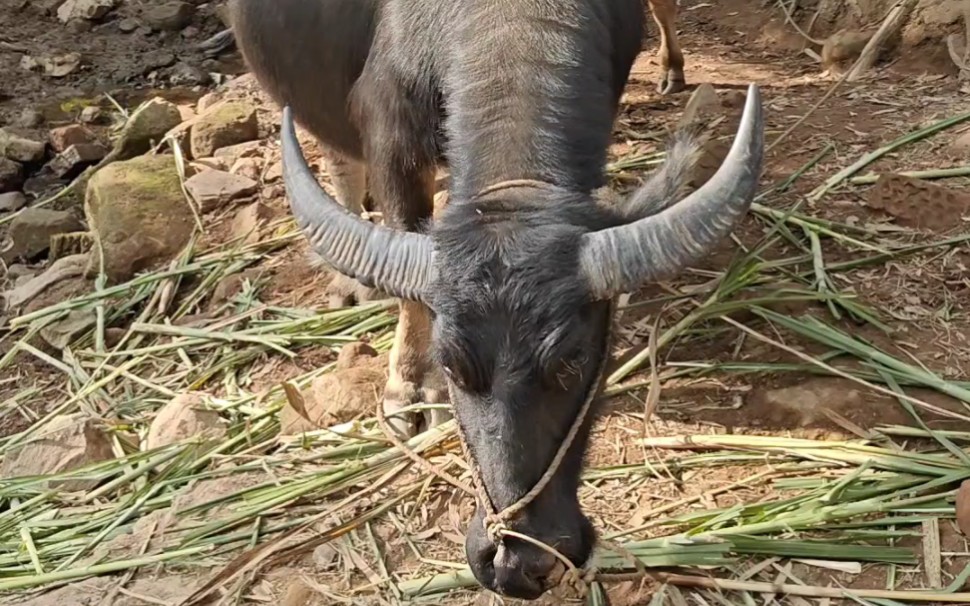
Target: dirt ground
(924,299)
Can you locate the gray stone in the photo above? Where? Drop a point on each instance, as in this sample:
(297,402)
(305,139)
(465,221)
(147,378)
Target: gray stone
(31,231)
(11,175)
(127,25)
(168,16)
(91,114)
(147,126)
(223,125)
(73,160)
(212,189)
(12,201)
(21,149)
(85,9)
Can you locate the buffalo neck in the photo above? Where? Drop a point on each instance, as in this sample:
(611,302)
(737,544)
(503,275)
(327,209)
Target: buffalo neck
(529,96)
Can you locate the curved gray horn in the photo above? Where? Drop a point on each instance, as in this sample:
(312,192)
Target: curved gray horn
(397,262)
(621,259)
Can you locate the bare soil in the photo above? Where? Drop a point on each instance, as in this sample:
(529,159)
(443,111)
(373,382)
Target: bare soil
(925,297)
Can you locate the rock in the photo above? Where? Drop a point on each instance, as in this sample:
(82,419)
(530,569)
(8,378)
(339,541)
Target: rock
(21,149)
(183,418)
(58,66)
(206,102)
(157,59)
(186,112)
(79,26)
(200,164)
(91,114)
(60,270)
(352,389)
(223,125)
(61,333)
(12,201)
(247,167)
(843,46)
(31,231)
(274,173)
(147,125)
(11,175)
(230,154)
(66,443)
(190,32)
(273,192)
(138,214)
(19,271)
(703,104)
(185,74)
(30,118)
(212,189)
(85,9)
(245,225)
(63,137)
(73,160)
(168,16)
(127,25)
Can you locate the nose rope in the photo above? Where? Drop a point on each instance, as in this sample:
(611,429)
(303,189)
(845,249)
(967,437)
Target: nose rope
(415,457)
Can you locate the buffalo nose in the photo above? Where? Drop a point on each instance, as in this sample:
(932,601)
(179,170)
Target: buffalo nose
(524,571)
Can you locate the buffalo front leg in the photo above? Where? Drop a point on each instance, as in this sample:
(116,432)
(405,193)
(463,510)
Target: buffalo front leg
(406,196)
(671,58)
(413,379)
(349,179)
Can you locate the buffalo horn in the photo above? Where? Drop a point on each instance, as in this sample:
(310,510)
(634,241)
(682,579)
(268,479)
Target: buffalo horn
(396,262)
(623,258)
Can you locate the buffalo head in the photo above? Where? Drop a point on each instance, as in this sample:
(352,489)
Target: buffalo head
(520,283)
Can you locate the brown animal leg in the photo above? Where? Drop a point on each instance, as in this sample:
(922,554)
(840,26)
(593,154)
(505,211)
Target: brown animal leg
(671,58)
(349,178)
(412,376)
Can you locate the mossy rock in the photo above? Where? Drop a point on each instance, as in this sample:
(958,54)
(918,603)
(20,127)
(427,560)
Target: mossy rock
(146,127)
(223,125)
(138,215)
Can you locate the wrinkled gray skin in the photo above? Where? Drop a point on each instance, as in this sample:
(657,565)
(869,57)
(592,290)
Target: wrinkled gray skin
(519,282)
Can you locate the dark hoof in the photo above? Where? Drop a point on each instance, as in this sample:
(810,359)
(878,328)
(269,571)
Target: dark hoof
(398,396)
(671,84)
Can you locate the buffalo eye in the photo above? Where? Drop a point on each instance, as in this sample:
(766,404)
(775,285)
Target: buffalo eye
(453,376)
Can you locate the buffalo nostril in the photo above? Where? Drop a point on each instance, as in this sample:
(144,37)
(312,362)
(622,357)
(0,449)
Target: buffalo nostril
(523,573)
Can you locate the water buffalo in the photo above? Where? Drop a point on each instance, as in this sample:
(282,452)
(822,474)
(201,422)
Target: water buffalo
(507,298)
(664,14)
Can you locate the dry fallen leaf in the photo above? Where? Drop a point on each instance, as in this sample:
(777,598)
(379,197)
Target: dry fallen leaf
(963,507)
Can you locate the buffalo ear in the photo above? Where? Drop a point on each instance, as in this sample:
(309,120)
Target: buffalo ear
(657,247)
